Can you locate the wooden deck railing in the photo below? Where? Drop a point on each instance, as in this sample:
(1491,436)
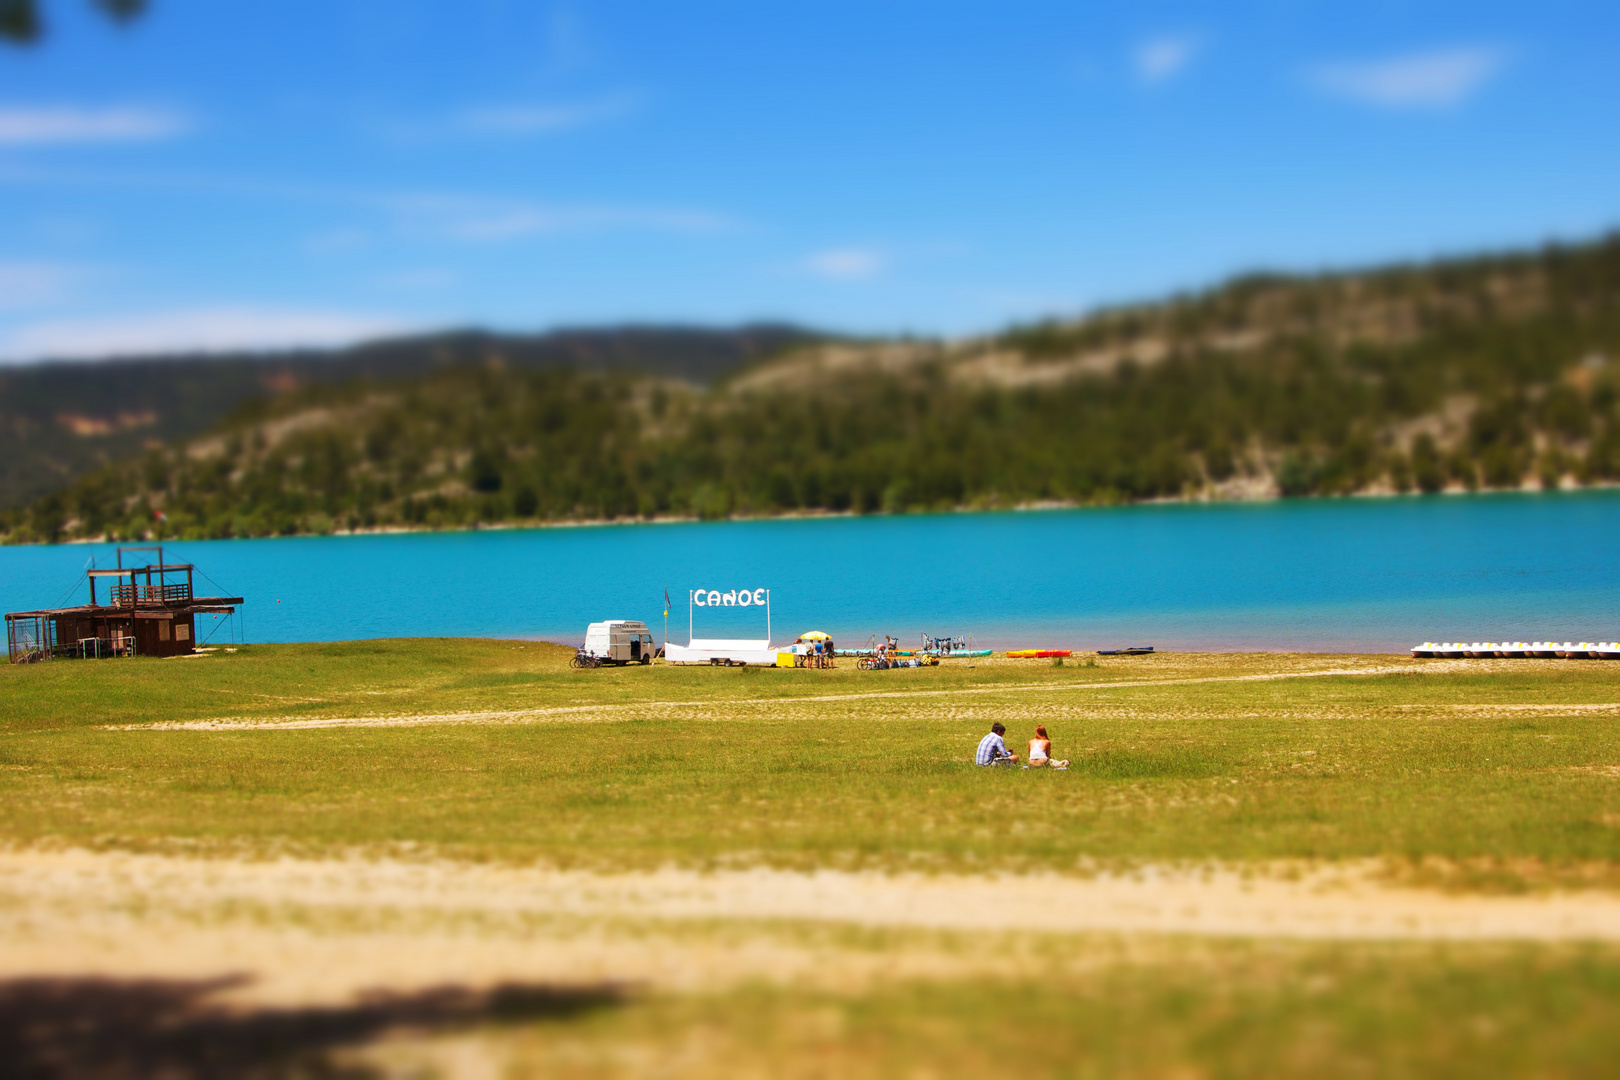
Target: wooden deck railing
(161,594)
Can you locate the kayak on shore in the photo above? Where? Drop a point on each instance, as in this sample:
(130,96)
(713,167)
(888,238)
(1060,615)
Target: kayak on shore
(1037,654)
(915,652)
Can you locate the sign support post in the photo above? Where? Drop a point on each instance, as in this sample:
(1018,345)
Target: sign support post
(720,650)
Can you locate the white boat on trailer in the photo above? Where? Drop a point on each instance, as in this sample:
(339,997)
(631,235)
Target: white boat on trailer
(725,652)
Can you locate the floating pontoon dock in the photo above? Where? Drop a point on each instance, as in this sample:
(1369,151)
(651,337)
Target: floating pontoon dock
(1520,650)
(150,610)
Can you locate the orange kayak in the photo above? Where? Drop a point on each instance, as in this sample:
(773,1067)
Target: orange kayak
(1037,654)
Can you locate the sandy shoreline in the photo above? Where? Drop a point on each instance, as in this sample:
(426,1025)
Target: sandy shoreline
(1238,495)
(308,930)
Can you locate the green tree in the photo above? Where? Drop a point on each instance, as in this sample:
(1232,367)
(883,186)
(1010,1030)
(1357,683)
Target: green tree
(1400,472)
(1427,469)
(20,20)
(1296,474)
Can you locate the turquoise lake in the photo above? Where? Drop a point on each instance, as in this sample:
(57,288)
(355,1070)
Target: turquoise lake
(1334,575)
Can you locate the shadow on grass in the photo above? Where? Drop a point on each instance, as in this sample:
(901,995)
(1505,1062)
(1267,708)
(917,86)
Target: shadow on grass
(110,1029)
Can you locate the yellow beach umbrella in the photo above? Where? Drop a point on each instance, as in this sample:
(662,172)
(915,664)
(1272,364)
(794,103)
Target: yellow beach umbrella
(815,635)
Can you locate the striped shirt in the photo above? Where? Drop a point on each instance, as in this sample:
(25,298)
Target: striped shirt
(991,750)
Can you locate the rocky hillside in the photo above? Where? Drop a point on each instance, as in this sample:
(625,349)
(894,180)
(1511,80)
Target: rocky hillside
(1490,372)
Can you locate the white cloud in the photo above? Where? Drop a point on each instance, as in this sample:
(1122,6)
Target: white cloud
(497,225)
(199,330)
(846,264)
(510,120)
(534,220)
(337,241)
(414,215)
(1007,305)
(539,119)
(1432,80)
(1163,58)
(416,280)
(37,125)
(26,285)
(493,220)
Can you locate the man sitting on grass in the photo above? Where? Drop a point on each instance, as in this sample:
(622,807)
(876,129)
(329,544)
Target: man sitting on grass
(993,750)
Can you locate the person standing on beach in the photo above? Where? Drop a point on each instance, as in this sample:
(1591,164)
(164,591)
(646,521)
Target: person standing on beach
(993,749)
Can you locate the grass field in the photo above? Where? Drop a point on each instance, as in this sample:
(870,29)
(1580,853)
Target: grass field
(1231,1012)
(1487,778)
(1513,765)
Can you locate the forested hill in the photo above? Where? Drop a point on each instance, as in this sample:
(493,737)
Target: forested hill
(1491,372)
(60,420)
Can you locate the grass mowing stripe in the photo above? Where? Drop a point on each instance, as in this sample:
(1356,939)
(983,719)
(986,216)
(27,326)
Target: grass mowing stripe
(513,716)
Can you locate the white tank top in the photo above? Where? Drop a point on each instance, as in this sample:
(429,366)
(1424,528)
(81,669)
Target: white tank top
(1037,749)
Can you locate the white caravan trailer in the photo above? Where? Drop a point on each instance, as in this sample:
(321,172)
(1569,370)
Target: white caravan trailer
(618,641)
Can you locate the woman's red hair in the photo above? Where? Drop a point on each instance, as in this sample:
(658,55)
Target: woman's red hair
(1041,731)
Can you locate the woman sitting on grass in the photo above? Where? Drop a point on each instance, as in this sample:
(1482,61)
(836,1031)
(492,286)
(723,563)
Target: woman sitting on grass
(1040,752)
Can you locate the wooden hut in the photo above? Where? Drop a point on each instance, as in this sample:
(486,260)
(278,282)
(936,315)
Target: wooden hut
(134,610)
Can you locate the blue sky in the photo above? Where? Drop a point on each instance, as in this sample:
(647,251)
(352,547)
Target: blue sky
(228,173)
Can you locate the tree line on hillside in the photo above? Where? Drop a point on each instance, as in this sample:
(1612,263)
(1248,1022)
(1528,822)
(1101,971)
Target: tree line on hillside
(475,445)
(1485,385)
(60,420)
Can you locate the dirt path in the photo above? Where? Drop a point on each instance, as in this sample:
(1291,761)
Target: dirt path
(606,711)
(322,930)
